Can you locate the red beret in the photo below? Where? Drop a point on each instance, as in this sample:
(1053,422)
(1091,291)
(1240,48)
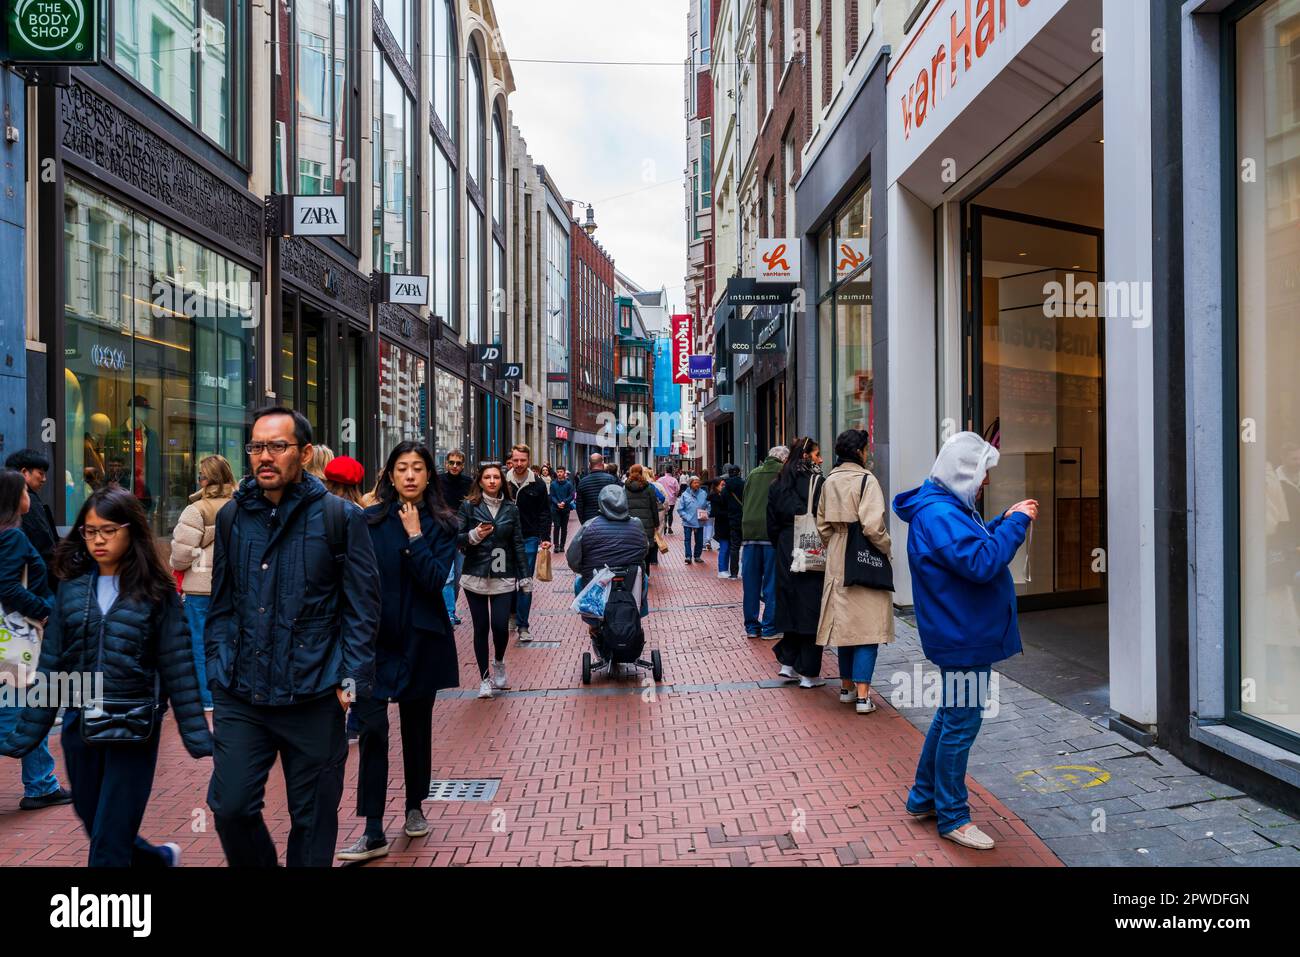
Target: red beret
(345,470)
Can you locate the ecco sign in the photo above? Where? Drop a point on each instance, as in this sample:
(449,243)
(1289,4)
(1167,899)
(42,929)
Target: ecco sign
(53,31)
(107,358)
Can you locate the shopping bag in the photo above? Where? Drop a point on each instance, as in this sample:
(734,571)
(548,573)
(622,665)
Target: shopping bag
(20,646)
(661,542)
(809,554)
(591,600)
(542,571)
(702,514)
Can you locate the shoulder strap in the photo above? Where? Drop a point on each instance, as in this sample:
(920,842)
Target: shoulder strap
(814,493)
(336,528)
(225,519)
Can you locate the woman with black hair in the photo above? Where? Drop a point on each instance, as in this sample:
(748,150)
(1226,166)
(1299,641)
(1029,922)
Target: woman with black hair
(855,620)
(117,615)
(794,492)
(491,536)
(414,537)
(25,588)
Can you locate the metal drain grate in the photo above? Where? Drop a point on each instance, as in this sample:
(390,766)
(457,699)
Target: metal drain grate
(538,644)
(468,789)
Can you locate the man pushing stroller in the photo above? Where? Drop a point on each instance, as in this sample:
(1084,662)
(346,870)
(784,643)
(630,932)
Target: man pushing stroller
(614,538)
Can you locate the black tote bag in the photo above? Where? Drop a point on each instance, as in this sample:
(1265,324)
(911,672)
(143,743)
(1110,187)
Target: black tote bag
(864,564)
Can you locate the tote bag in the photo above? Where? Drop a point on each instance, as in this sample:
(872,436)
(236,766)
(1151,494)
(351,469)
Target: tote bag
(809,553)
(20,645)
(864,564)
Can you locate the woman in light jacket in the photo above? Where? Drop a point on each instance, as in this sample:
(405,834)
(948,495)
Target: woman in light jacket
(193,543)
(689,505)
(855,620)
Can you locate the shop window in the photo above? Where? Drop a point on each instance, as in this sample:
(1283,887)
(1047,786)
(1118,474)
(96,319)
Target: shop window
(403,397)
(844,313)
(158,356)
(190,56)
(444,244)
(400,17)
(393,131)
(445,62)
(1266,101)
(449,414)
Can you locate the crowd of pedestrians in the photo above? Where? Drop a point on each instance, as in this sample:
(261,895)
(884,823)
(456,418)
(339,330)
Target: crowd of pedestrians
(294,596)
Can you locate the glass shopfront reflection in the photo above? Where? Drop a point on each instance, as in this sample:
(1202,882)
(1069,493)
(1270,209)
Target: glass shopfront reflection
(158,365)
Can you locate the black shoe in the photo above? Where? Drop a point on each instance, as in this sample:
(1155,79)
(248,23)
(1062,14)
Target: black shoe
(53,799)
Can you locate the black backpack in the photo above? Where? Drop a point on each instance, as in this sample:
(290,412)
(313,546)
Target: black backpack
(621,635)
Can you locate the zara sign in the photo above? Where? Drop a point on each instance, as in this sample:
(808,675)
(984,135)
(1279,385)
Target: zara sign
(405,290)
(313,216)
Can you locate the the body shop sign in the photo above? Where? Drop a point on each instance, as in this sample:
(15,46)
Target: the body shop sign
(681,329)
(52,31)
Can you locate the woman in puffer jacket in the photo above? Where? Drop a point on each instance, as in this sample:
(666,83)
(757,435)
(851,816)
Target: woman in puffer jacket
(193,543)
(116,616)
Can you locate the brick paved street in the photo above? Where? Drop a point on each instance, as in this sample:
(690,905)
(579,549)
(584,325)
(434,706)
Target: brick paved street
(723,765)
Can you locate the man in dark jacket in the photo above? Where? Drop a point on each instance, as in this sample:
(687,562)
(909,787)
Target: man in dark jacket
(38,523)
(590,487)
(290,641)
(733,494)
(531,498)
(563,496)
(613,537)
(455,486)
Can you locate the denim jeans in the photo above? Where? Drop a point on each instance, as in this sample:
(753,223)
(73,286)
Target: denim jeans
(858,662)
(524,599)
(695,534)
(758,569)
(941,772)
(724,553)
(196,613)
(450,590)
(38,767)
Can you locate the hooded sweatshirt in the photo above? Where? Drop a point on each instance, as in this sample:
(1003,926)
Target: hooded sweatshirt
(964,596)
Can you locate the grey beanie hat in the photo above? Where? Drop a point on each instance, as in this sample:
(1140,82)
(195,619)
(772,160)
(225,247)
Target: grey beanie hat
(613,503)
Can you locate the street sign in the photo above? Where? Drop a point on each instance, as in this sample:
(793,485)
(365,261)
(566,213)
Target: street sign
(701,367)
(53,32)
(407,290)
(512,370)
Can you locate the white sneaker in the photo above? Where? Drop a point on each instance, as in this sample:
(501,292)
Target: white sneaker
(811,682)
(524,635)
(970,836)
(848,695)
(788,672)
(865,706)
(724,574)
(485,688)
(499,680)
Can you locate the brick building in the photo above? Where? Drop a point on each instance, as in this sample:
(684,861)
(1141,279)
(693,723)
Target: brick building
(592,337)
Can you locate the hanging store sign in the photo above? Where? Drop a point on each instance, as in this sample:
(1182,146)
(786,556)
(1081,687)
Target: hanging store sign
(778,260)
(488,354)
(62,32)
(746,291)
(681,335)
(701,367)
(849,255)
(313,215)
(402,289)
(512,370)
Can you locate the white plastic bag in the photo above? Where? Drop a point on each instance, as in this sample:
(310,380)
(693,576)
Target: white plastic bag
(809,553)
(591,600)
(20,649)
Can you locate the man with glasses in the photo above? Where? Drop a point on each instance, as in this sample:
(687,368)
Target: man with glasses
(290,640)
(455,486)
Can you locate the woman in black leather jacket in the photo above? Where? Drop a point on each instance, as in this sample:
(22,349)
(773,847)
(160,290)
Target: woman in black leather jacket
(116,614)
(491,536)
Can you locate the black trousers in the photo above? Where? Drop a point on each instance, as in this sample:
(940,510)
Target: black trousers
(416,723)
(490,612)
(800,652)
(560,534)
(310,741)
(111,784)
(733,553)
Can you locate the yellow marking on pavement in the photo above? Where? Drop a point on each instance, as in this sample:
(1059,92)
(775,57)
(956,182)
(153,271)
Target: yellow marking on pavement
(1062,778)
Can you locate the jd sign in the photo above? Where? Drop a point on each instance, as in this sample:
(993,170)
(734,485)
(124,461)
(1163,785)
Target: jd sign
(52,31)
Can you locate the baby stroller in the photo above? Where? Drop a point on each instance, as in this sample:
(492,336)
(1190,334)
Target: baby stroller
(619,638)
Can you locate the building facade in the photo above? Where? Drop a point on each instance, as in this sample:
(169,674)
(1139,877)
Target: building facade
(700,280)
(593,337)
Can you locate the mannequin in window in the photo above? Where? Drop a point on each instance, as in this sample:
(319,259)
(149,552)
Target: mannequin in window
(137,447)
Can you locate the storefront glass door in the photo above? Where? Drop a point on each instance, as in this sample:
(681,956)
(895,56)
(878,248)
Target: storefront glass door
(1035,352)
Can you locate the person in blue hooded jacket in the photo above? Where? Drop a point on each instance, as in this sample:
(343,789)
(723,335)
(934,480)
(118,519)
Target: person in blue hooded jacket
(965,605)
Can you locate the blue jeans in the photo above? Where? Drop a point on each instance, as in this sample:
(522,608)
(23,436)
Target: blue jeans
(858,662)
(941,772)
(38,767)
(449,592)
(524,599)
(758,569)
(695,534)
(196,613)
(724,554)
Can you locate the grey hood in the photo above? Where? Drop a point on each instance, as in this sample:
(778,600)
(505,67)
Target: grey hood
(962,463)
(613,503)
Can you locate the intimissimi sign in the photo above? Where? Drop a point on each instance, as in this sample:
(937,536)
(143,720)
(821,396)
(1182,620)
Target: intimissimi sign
(954,52)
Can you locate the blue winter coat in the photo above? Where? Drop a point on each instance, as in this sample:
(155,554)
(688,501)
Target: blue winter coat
(286,622)
(964,596)
(415,654)
(688,504)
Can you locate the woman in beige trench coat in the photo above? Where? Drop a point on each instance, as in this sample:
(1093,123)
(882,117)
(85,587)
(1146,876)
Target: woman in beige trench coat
(854,620)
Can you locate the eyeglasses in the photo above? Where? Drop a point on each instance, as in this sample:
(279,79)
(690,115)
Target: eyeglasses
(456,462)
(106,532)
(275,448)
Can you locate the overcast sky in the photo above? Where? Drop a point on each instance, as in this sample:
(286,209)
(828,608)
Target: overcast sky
(613,136)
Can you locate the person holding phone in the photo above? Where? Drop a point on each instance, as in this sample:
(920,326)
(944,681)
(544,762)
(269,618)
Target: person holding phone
(491,536)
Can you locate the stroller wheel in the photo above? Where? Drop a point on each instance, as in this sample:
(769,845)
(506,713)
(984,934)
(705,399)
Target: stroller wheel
(657,665)
(586,668)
